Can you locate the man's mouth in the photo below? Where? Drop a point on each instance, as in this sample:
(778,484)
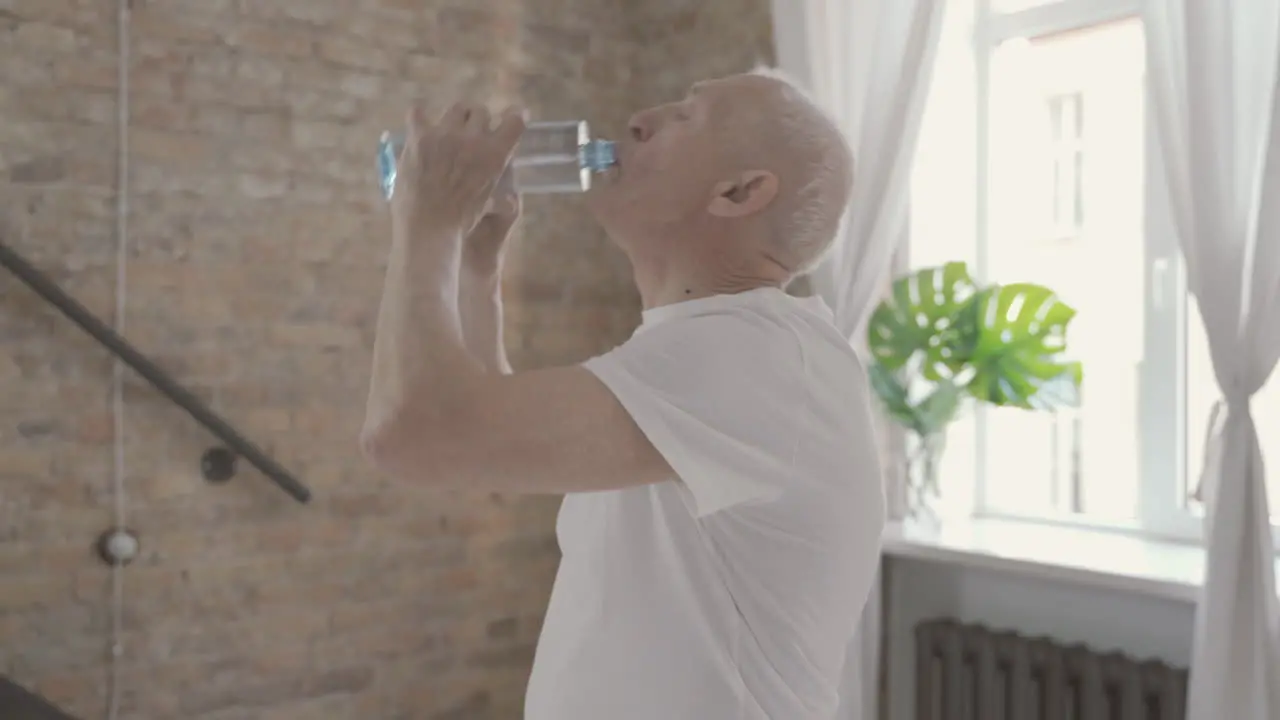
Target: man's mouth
(619,160)
(613,172)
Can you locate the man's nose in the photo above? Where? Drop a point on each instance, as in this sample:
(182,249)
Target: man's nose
(641,126)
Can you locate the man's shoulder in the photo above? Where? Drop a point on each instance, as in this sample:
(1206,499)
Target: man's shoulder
(783,322)
(712,337)
(783,347)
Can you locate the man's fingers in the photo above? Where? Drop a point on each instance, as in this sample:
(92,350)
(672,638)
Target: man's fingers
(416,127)
(509,130)
(507,206)
(477,121)
(506,184)
(415,123)
(455,116)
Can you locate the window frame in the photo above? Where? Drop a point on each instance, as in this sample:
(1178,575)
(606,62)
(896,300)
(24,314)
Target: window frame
(1068,159)
(1161,513)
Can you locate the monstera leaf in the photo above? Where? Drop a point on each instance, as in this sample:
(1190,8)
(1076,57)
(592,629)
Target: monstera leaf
(915,328)
(927,415)
(937,409)
(1016,340)
(892,394)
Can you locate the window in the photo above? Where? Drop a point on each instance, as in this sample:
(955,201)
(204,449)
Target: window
(1040,106)
(1011,6)
(1066,120)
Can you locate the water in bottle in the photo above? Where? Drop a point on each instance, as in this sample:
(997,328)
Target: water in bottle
(551,157)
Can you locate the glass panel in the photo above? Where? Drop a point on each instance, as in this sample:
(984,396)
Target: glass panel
(943,216)
(1066,117)
(1067,201)
(1009,6)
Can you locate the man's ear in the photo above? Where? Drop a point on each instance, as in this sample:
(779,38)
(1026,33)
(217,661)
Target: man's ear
(747,194)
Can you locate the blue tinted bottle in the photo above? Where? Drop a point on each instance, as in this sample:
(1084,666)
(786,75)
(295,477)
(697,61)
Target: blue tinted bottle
(551,157)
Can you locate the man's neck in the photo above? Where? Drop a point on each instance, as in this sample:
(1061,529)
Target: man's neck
(653,297)
(687,265)
(672,282)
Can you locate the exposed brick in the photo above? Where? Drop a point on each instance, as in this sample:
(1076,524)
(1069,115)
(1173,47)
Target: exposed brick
(46,169)
(473,707)
(503,628)
(257,249)
(201,700)
(517,656)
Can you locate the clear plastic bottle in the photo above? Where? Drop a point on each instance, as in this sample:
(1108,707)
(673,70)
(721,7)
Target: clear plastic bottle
(551,157)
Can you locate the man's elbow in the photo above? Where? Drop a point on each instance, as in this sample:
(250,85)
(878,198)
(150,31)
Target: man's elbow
(401,449)
(377,443)
(374,445)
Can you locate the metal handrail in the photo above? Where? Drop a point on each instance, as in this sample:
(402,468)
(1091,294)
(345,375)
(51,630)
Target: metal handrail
(46,288)
(19,702)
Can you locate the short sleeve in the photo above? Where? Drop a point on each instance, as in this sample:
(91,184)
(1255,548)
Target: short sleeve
(717,395)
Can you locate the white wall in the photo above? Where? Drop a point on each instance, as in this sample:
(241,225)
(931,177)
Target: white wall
(1141,625)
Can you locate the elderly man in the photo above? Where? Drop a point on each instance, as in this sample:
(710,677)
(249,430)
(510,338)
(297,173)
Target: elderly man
(723,510)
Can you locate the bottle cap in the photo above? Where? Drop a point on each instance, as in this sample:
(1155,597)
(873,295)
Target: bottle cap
(599,155)
(388,152)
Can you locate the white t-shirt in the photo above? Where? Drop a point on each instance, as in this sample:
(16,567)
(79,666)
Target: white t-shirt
(730,592)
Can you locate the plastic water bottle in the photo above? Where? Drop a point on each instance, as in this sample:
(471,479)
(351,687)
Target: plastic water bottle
(551,157)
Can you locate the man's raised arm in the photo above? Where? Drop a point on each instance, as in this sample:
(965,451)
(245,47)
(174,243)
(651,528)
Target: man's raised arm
(438,414)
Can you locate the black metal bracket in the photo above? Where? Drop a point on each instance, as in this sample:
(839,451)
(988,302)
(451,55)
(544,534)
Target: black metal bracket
(218,463)
(118,546)
(18,703)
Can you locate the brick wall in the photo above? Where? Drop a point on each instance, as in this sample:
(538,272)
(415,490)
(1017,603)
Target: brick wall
(254,263)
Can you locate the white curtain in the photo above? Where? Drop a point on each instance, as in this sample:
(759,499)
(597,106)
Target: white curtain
(869,62)
(1213,66)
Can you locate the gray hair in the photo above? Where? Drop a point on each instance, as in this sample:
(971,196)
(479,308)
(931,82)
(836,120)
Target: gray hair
(813,213)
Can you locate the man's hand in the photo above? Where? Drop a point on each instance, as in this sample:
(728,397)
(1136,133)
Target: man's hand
(446,173)
(484,248)
(448,170)
(444,410)
(480,278)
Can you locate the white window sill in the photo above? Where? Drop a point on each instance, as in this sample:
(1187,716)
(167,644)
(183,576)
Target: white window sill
(1083,556)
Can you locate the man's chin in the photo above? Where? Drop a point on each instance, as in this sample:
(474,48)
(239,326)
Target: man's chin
(604,190)
(606,179)
(598,205)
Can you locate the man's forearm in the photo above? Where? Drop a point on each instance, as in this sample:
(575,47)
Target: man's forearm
(420,358)
(480,308)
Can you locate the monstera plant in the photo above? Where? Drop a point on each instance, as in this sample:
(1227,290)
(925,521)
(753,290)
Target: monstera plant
(939,340)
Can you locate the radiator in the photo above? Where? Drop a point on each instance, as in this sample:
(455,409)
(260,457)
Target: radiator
(970,672)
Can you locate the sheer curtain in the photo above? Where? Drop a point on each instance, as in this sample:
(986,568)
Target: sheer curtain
(1213,70)
(869,62)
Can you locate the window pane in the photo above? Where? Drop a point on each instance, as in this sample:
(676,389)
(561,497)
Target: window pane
(1202,393)
(1066,115)
(943,214)
(1008,6)
(1066,210)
